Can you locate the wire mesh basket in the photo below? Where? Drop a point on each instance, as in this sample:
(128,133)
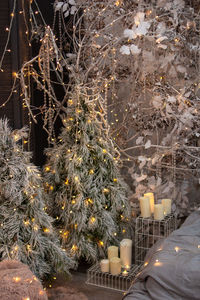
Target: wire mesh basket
(148,231)
(115,282)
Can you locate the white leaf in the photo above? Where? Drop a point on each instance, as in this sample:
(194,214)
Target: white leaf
(157,102)
(58,5)
(148,144)
(172,72)
(160,39)
(162,46)
(71,55)
(166,190)
(128,33)
(142,165)
(147,132)
(181,69)
(187,94)
(141,178)
(161,28)
(155,159)
(171,184)
(125,50)
(139,18)
(134,49)
(139,140)
(152,187)
(142,29)
(139,190)
(168,109)
(142,158)
(167,6)
(151,180)
(148,57)
(181,107)
(72,2)
(73,9)
(166,60)
(179,4)
(159,181)
(171,99)
(65,7)
(66,14)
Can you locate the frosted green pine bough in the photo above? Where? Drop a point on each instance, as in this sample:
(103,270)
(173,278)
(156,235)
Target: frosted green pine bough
(87,194)
(26,232)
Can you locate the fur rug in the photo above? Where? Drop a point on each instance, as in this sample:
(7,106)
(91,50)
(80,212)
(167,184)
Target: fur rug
(17,282)
(63,293)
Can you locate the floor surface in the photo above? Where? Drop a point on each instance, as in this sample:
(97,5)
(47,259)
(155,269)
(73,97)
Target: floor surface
(77,282)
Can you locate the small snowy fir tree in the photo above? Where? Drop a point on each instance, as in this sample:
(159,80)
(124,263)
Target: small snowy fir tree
(26,232)
(82,177)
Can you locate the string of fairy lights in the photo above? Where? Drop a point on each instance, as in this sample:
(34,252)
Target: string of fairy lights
(31,280)
(118,119)
(8,29)
(106,84)
(32,223)
(119,115)
(37,12)
(16,75)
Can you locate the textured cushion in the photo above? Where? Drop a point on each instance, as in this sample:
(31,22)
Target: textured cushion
(173,270)
(17,282)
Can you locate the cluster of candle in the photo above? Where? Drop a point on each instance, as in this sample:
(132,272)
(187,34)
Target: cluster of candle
(148,207)
(116,265)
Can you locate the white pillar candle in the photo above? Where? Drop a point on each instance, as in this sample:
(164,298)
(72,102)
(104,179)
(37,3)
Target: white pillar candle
(145,207)
(167,204)
(115,266)
(112,252)
(104,264)
(158,212)
(126,253)
(151,199)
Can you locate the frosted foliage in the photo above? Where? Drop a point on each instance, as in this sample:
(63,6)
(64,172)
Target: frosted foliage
(26,232)
(125,50)
(143,56)
(88,195)
(148,56)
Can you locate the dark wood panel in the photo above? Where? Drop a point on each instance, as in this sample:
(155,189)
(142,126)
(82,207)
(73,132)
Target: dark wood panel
(6,76)
(13,60)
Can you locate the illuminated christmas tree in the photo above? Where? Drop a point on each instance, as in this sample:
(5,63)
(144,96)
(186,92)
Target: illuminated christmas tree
(26,232)
(88,195)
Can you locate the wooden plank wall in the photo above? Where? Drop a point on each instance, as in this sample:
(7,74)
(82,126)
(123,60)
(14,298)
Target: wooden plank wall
(5,76)
(12,61)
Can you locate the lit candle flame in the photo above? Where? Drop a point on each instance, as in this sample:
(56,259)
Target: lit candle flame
(125,273)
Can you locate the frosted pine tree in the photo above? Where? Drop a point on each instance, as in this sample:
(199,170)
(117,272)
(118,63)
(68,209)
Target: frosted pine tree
(82,177)
(26,232)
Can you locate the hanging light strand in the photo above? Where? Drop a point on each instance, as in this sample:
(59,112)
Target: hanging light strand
(8,29)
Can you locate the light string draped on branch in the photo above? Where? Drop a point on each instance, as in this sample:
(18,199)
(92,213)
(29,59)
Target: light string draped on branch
(163,40)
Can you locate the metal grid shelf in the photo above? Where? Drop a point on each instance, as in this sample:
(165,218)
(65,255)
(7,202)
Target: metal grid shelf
(148,231)
(115,282)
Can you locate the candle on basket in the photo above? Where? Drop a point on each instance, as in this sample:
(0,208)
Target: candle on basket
(145,207)
(115,266)
(167,204)
(112,252)
(158,212)
(126,253)
(104,264)
(151,199)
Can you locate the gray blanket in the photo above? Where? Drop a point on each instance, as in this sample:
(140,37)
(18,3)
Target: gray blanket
(173,269)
